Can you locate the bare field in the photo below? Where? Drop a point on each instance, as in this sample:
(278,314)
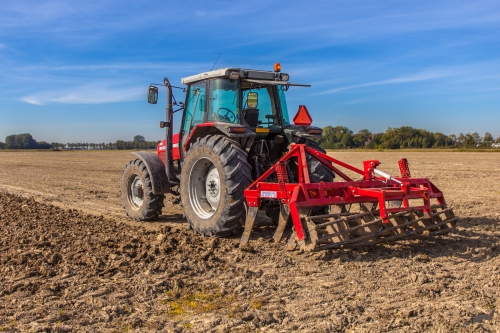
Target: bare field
(71,261)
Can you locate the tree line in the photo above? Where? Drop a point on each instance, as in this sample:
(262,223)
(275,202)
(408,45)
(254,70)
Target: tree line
(338,137)
(341,137)
(26,141)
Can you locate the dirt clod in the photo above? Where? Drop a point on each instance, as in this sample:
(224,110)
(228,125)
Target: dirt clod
(73,264)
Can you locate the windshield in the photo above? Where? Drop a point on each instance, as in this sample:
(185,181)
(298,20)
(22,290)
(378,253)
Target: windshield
(224,101)
(258,106)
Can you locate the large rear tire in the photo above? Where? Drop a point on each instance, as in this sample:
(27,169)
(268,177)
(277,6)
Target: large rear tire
(317,173)
(214,176)
(137,195)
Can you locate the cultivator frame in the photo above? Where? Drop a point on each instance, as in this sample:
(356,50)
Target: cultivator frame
(389,208)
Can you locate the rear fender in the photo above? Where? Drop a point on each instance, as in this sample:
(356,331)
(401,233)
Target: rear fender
(156,170)
(244,139)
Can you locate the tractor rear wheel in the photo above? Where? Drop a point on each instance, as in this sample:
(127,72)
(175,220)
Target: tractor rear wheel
(214,176)
(138,199)
(317,173)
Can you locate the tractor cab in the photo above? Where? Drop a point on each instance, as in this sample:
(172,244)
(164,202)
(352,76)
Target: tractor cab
(246,105)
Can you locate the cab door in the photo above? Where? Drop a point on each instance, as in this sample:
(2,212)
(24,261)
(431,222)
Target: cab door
(194,111)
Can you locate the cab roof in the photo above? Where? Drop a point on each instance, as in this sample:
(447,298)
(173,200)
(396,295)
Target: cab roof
(241,72)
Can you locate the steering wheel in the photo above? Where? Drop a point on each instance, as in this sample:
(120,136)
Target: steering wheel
(230,116)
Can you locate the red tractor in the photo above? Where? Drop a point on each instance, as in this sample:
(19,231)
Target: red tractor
(237,152)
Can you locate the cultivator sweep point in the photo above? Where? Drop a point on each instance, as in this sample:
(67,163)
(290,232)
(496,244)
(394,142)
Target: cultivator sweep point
(378,208)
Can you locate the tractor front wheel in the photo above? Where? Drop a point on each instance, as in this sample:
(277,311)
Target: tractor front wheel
(214,176)
(138,199)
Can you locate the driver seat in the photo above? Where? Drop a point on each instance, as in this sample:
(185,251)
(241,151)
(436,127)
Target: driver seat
(251,116)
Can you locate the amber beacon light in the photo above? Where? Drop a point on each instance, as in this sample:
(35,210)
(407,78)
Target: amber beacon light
(277,67)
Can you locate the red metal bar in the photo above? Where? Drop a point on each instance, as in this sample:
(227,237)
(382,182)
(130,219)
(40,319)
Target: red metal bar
(316,153)
(404,168)
(334,169)
(307,195)
(302,163)
(294,213)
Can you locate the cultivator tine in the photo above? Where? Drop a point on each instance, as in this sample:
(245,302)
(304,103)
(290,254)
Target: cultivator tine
(291,244)
(404,225)
(311,236)
(448,215)
(250,220)
(283,219)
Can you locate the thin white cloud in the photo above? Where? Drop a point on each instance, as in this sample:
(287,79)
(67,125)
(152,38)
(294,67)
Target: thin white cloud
(337,24)
(2,45)
(89,94)
(424,76)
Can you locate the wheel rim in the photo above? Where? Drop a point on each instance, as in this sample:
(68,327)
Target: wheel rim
(204,188)
(135,191)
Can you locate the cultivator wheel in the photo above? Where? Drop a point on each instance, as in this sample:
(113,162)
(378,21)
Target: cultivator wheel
(345,229)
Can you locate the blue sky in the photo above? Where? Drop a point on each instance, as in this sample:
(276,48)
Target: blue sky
(78,71)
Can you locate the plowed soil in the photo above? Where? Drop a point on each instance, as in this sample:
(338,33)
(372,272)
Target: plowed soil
(70,261)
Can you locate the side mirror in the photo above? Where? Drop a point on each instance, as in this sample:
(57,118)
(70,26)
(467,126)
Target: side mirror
(152,95)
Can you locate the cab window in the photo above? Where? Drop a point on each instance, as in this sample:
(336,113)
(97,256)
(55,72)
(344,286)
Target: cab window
(266,105)
(224,101)
(195,108)
(284,108)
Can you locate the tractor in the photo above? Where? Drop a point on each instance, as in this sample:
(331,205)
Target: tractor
(237,153)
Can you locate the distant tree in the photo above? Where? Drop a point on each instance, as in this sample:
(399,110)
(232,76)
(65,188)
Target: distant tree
(470,140)
(362,138)
(497,140)
(20,141)
(451,140)
(120,144)
(337,137)
(487,139)
(461,139)
(477,138)
(440,140)
(139,138)
(43,145)
(58,145)
(2,145)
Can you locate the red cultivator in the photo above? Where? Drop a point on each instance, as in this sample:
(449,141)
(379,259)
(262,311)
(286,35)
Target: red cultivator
(387,209)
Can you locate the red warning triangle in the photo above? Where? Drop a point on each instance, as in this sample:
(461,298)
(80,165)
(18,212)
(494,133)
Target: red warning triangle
(302,118)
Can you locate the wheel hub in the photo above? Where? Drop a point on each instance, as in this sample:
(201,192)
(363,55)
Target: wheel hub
(213,187)
(136,192)
(204,188)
